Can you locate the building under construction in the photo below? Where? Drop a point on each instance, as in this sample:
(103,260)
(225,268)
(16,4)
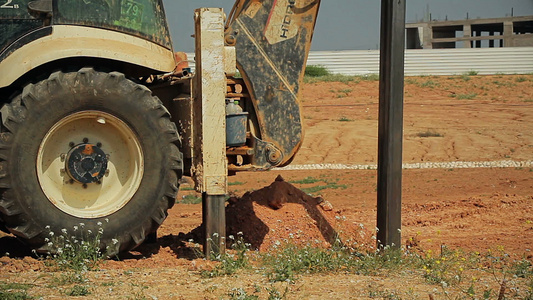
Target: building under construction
(471,33)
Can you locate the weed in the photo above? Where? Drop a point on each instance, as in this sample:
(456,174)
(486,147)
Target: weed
(369,77)
(78,290)
(469,96)
(241,294)
(16,295)
(521,79)
(429,133)
(344,119)
(331,78)
(471,73)
(274,294)
(503,84)
(465,77)
(236,183)
(287,261)
(345,91)
(429,84)
(411,81)
(191,199)
(329,185)
(316,71)
(14,291)
(230,262)
(444,269)
(306,180)
(522,268)
(528,100)
(77,251)
(380,293)
(186,188)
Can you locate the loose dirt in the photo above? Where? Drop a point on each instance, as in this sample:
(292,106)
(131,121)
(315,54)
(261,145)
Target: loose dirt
(454,118)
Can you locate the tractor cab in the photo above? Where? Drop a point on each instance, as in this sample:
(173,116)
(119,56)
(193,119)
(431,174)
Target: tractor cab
(140,18)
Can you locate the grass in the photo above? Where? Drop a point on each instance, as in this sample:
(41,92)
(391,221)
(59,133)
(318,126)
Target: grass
(77,250)
(327,184)
(306,180)
(454,273)
(231,261)
(236,183)
(14,291)
(469,96)
(429,84)
(331,78)
(345,119)
(429,133)
(191,199)
(316,71)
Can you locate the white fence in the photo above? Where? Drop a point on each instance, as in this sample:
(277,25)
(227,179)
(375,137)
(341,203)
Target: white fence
(485,61)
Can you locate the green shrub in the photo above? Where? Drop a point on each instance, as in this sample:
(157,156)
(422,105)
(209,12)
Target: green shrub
(316,71)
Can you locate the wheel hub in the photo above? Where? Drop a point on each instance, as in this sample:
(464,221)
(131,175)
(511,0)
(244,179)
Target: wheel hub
(86,163)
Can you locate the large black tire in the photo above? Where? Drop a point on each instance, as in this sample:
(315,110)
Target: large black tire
(40,115)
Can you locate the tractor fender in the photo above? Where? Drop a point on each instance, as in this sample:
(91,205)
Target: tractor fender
(68,41)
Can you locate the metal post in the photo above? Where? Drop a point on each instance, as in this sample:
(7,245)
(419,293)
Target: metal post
(209,130)
(390,123)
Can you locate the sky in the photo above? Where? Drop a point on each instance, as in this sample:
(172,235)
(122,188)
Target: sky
(351,24)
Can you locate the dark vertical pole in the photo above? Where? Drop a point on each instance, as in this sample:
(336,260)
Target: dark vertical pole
(214,220)
(389,220)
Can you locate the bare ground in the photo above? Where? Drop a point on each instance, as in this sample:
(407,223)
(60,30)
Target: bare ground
(470,118)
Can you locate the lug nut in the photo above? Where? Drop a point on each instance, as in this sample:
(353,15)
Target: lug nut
(99,145)
(84,185)
(71,181)
(71,144)
(85,140)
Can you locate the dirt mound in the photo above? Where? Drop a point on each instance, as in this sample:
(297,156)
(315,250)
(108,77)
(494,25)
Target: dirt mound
(281,212)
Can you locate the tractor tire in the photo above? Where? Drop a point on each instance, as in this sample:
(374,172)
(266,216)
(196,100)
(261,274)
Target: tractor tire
(90,148)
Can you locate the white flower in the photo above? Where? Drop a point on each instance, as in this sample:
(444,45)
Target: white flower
(47,227)
(50,244)
(46,240)
(64,230)
(99,223)
(51,233)
(75,227)
(114,241)
(82,224)
(107,220)
(239,233)
(89,231)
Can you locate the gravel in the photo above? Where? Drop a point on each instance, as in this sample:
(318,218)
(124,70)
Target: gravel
(421,165)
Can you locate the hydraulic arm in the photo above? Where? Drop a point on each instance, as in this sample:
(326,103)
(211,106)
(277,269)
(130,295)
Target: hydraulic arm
(272,40)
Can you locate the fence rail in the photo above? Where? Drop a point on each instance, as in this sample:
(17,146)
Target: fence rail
(485,61)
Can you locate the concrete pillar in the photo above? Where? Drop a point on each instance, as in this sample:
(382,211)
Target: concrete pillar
(467,33)
(508,40)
